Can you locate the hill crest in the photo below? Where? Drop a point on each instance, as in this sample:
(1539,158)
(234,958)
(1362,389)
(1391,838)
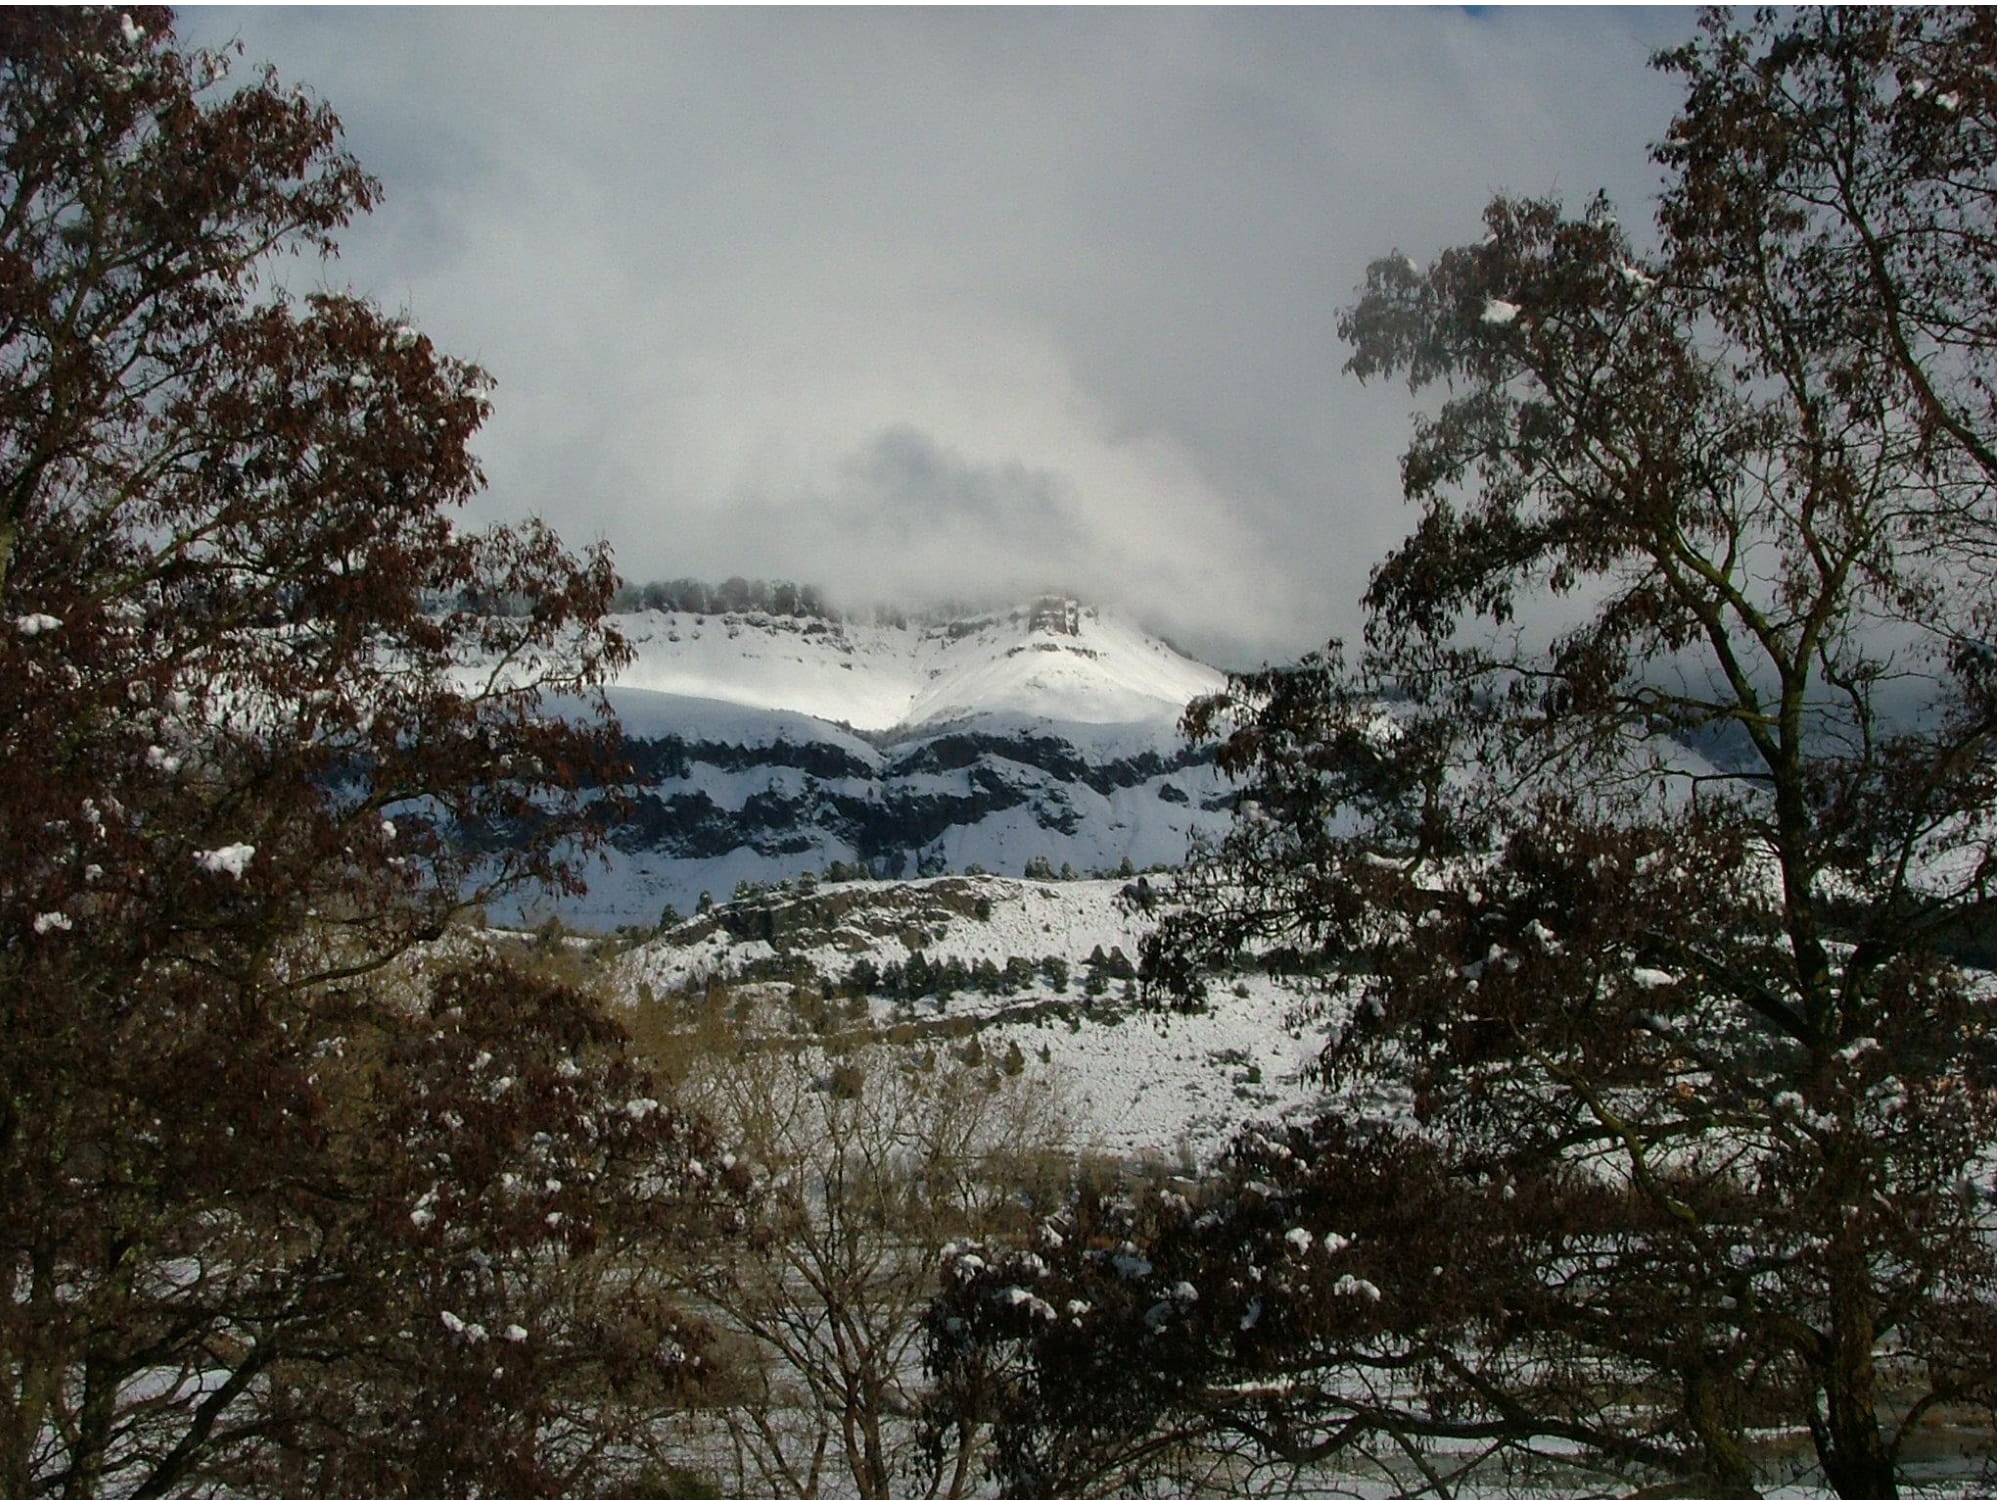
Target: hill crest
(1054,660)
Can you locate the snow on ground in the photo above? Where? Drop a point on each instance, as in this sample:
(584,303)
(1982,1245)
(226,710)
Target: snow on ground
(1075,666)
(1176,1085)
(1141,1082)
(885,921)
(651,715)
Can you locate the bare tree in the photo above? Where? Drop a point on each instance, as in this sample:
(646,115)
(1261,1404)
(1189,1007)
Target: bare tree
(868,1169)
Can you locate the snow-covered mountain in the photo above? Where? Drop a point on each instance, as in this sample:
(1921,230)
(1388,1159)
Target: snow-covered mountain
(1055,660)
(771,746)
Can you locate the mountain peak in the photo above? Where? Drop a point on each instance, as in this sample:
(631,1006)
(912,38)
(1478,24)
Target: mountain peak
(1054,659)
(1055,615)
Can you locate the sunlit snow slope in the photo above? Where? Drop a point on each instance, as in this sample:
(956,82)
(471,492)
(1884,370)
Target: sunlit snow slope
(768,747)
(1057,660)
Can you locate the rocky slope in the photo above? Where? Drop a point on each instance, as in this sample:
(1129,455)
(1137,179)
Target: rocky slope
(768,747)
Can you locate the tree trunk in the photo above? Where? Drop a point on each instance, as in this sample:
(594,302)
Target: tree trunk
(1726,1473)
(1851,1452)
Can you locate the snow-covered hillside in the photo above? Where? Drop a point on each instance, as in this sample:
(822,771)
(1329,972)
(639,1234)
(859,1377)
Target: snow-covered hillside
(768,747)
(1141,1082)
(1056,660)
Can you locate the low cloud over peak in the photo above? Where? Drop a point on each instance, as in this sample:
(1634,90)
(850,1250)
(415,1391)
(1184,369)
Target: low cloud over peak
(934,301)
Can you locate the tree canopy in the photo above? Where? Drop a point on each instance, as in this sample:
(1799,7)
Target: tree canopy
(288,1203)
(1634,858)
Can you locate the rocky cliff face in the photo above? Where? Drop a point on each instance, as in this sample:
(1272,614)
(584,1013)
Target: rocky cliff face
(768,748)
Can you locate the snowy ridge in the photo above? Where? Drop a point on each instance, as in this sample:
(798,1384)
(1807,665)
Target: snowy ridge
(647,715)
(769,747)
(729,795)
(1059,661)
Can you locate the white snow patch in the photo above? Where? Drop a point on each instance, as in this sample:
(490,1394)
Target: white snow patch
(231,860)
(1093,670)
(1138,1081)
(1130,1264)
(1015,1296)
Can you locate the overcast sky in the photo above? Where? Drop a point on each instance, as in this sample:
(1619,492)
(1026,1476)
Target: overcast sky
(919,303)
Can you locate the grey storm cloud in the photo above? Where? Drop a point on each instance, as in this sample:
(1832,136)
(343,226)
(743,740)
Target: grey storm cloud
(905,481)
(912,519)
(955,301)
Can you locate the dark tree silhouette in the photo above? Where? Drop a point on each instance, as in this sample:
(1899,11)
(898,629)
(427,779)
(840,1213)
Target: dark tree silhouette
(1635,857)
(287,1205)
